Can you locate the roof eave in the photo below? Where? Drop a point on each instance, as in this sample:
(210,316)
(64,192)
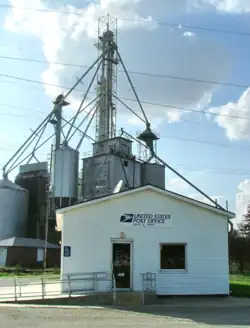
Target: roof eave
(228,214)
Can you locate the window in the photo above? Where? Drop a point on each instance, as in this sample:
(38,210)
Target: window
(40,255)
(173,256)
(125,163)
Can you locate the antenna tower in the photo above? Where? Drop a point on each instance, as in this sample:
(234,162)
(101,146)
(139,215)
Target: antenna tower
(107,78)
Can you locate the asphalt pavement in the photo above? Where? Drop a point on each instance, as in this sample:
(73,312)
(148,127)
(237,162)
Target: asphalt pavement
(42,317)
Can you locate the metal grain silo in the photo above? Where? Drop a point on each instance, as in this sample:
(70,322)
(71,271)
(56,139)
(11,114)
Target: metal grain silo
(65,176)
(35,178)
(13,210)
(153,174)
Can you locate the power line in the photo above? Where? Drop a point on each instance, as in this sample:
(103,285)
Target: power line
(19,115)
(214,170)
(129,99)
(192,27)
(208,142)
(211,143)
(22,108)
(172,25)
(163,76)
(187,109)
(202,167)
(15,115)
(195,168)
(42,112)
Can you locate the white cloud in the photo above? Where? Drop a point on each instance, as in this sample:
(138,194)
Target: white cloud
(236,128)
(242,199)
(150,48)
(183,6)
(177,183)
(189,34)
(68,38)
(244,186)
(225,6)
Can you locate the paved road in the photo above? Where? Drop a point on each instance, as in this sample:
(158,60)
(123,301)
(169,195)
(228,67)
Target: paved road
(98,318)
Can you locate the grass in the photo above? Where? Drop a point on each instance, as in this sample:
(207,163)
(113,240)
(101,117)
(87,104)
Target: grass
(240,285)
(18,272)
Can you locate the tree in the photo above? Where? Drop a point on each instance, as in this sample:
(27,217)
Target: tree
(244,227)
(238,250)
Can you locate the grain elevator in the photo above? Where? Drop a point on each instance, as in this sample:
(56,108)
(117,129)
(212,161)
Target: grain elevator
(70,176)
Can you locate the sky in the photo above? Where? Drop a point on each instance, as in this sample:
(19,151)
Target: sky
(195,54)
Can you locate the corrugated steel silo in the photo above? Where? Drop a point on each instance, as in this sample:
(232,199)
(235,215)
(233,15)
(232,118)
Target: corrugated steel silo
(14,202)
(153,174)
(35,179)
(65,176)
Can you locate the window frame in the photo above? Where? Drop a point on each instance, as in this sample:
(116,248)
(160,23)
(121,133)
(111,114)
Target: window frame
(185,252)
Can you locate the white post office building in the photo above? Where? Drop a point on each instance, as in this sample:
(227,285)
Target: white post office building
(147,229)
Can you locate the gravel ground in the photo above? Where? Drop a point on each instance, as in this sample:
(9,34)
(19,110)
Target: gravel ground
(24,317)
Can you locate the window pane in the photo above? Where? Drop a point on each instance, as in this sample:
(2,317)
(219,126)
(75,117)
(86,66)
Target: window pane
(173,257)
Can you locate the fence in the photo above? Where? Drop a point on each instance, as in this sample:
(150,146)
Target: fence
(48,287)
(148,283)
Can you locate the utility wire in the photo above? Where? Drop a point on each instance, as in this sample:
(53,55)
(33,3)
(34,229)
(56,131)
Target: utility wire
(43,112)
(163,76)
(192,27)
(195,168)
(161,136)
(213,169)
(130,99)
(172,25)
(207,142)
(18,107)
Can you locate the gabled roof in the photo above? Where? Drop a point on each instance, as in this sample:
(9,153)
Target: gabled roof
(26,242)
(164,192)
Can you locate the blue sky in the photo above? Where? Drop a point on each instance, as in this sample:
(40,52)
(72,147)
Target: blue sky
(217,168)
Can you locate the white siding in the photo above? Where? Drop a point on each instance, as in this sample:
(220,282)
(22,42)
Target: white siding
(88,230)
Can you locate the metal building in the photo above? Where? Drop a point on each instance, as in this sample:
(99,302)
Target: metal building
(111,162)
(153,174)
(13,210)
